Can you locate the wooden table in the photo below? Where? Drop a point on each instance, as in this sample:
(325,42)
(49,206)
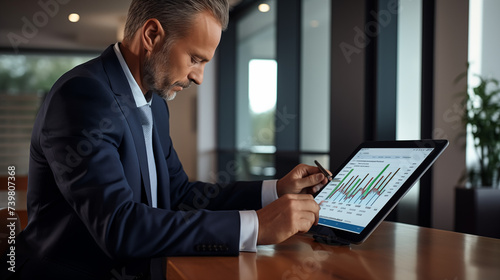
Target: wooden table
(393,251)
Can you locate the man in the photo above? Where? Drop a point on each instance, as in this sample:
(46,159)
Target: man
(107,195)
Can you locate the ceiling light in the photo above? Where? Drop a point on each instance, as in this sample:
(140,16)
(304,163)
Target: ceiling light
(74,17)
(264,8)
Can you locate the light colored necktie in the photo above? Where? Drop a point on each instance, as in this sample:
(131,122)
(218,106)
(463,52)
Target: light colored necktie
(147,128)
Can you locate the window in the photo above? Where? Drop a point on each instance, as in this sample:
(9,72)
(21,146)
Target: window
(483,58)
(408,94)
(315,82)
(282,107)
(24,81)
(256,80)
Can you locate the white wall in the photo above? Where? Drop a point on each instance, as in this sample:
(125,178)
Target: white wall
(206,120)
(451,38)
(183,128)
(193,126)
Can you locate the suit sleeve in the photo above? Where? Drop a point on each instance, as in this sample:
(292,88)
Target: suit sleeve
(89,174)
(193,196)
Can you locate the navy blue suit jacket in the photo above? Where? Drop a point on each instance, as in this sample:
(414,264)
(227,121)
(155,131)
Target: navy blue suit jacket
(88,187)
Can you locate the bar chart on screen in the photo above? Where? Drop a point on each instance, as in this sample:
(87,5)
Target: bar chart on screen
(364,190)
(365,185)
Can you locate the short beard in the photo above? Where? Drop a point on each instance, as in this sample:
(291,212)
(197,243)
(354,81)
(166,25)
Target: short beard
(168,97)
(160,81)
(152,74)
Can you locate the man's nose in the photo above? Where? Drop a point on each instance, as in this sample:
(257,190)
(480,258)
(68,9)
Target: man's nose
(196,75)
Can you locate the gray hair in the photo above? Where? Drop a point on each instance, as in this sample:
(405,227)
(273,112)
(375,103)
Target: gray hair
(175,16)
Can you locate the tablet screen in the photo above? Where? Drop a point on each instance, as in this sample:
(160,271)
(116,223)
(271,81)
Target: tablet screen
(365,184)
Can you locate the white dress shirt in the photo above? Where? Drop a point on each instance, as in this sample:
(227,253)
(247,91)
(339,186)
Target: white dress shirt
(249,222)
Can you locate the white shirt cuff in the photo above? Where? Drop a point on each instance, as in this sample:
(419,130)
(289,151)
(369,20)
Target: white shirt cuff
(269,193)
(249,221)
(249,230)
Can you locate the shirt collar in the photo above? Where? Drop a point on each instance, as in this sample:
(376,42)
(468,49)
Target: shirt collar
(140,99)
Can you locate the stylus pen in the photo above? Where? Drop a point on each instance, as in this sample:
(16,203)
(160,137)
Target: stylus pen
(323,170)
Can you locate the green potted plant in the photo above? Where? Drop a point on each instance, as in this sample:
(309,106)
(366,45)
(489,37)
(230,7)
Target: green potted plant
(482,115)
(476,207)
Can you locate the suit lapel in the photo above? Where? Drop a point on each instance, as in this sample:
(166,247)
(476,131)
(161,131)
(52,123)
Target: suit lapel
(127,106)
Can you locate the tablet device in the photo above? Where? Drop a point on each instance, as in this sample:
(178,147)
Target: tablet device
(368,185)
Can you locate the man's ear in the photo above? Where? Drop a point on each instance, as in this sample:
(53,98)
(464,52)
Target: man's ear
(152,34)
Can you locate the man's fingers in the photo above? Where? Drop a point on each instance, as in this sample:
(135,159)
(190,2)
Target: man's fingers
(286,216)
(301,178)
(309,170)
(298,196)
(310,180)
(316,188)
(307,221)
(305,202)
(305,205)
(308,209)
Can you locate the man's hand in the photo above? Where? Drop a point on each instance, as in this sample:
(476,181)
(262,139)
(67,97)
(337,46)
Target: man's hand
(286,216)
(302,179)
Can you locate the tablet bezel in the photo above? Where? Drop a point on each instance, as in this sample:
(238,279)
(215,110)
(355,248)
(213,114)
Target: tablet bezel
(350,237)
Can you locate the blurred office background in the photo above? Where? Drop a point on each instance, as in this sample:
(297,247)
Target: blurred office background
(292,81)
